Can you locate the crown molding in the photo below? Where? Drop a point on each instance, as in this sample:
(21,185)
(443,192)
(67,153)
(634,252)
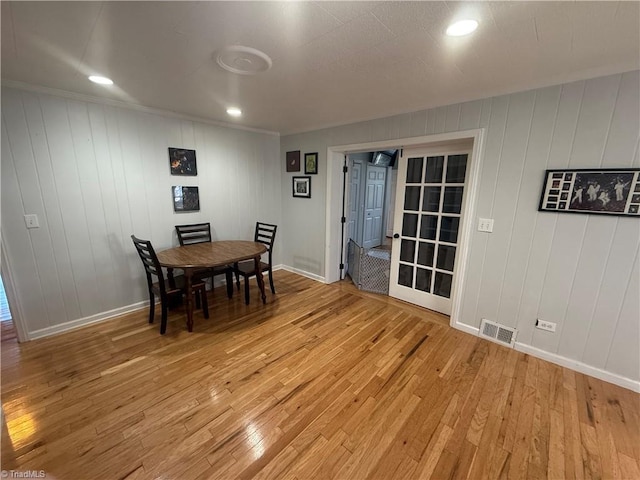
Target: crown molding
(131,106)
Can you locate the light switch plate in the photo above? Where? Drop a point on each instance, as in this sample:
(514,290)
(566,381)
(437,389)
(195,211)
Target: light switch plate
(485,225)
(31,221)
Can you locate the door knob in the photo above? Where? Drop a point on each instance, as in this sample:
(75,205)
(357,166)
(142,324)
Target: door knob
(396,235)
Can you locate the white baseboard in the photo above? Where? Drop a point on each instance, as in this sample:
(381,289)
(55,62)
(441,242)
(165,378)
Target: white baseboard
(81,322)
(575,365)
(465,328)
(312,276)
(580,367)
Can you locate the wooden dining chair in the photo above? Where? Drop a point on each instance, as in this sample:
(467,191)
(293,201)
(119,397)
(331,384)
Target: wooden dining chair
(166,288)
(200,233)
(265,233)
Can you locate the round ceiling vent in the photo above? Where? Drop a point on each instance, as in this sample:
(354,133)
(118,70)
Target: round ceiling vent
(243,60)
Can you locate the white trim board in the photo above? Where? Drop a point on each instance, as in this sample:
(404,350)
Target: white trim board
(82,322)
(312,276)
(562,361)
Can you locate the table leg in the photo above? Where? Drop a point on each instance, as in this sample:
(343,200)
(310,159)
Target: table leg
(189,298)
(258,268)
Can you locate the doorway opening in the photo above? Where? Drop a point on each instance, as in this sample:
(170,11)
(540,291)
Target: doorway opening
(7,328)
(369,217)
(337,233)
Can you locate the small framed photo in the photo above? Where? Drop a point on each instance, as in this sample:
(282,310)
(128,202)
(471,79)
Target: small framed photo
(182,161)
(293,161)
(301,187)
(185,199)
(311,163)
(607,191)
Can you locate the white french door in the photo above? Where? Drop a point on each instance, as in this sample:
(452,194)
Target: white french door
(427,226)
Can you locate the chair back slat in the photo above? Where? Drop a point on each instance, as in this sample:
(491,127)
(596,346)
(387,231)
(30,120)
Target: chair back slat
(266,234)
(193,233)
(149,260)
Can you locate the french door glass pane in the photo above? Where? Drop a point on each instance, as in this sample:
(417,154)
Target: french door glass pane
(405,275)
(423,279)
(452,200)
(446,257)
(428,227)
(433,172)
(408,250)
(410,225)
(425,253)
(431,201)
(414,170)
(456,168)
(442,284)
(449,229)
(412,198)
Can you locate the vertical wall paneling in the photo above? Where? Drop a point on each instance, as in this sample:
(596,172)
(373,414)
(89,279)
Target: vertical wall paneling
(570,269)
(95,174)
(531,243)
(55,263)
(17,241)
(508,182)
(452,118)
(625,124)
(479,241)
(623,348)
(617,276)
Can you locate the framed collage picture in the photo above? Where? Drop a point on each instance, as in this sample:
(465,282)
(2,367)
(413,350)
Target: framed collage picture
(603,191)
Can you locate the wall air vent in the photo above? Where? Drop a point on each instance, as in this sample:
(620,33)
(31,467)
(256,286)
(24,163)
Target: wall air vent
(497,333)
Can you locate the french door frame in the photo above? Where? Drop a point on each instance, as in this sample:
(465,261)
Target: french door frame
(335,160)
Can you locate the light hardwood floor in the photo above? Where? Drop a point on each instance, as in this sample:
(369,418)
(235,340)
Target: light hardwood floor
(322,382)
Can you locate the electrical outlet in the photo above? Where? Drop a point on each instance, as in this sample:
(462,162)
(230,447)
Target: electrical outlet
(31,221)
(485,225)
(544,325)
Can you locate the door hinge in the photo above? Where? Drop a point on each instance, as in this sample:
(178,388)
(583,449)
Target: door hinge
(401,151)
(345,169)
(343,220)
(342,266)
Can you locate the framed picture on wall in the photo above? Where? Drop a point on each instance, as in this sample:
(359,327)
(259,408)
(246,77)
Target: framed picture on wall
(607,191)
(301,187)
(182,161)
(311,163)
(293,161)
(185,199)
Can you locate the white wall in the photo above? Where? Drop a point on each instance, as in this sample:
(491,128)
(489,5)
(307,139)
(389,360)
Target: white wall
(580,271)
(94,175)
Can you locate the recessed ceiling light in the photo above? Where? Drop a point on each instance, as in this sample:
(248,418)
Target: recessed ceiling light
(234,112)
(101,80)
(463,27)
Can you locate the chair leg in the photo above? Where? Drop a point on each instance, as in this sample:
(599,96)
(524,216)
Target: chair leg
(273,288)
(229,279)
(246,290)
(152,307)
(198,299)
(163,323)
(235,268)
(205,302)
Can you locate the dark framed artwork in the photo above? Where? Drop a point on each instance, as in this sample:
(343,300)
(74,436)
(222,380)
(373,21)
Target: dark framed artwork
(311,163)
(301,187)
(293,161)
(185,199)
(606,191)
(182,161)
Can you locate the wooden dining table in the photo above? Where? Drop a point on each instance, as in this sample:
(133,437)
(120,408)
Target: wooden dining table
(208,255)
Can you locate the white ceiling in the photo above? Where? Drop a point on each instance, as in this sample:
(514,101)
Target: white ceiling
(333,62)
